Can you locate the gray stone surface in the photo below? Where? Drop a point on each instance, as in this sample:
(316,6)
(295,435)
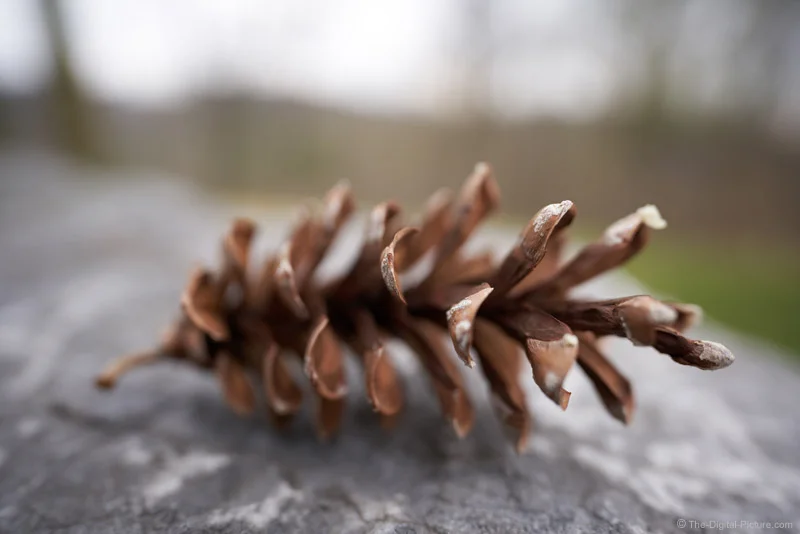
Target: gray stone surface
(91,268)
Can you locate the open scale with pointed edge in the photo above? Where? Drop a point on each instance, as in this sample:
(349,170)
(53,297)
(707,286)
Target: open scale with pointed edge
(243,320)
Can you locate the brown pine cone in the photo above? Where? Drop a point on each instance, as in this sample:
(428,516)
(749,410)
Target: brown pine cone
(240,321)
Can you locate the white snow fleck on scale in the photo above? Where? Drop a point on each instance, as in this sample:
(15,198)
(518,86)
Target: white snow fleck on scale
(376,227)
(332,210)
(717,354)
(548,212)
(551,381)
(482,168)
(569,340)
(660,313)
(651,217)
(623,229)
(462,328)
(465,303)
(463,338)
(280,407)
(627,331)
(543,216)
(284,269)
(619,231)
(387,273)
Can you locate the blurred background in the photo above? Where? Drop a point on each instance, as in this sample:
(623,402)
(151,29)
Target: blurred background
(693,105)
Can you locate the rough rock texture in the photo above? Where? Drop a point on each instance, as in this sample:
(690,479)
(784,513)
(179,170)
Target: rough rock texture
(92,268)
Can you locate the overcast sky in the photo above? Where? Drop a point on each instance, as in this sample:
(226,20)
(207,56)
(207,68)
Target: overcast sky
(398,55)
(567,58)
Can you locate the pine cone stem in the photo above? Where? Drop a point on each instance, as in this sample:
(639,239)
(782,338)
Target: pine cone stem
(109,377)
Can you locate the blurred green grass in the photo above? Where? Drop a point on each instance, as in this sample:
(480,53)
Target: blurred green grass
(754,289)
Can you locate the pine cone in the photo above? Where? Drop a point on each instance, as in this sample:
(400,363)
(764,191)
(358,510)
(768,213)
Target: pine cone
(238,322)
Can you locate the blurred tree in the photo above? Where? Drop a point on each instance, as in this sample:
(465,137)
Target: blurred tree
(70,111)
(761,63)
(693,56)
(652,26)
(478,51)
